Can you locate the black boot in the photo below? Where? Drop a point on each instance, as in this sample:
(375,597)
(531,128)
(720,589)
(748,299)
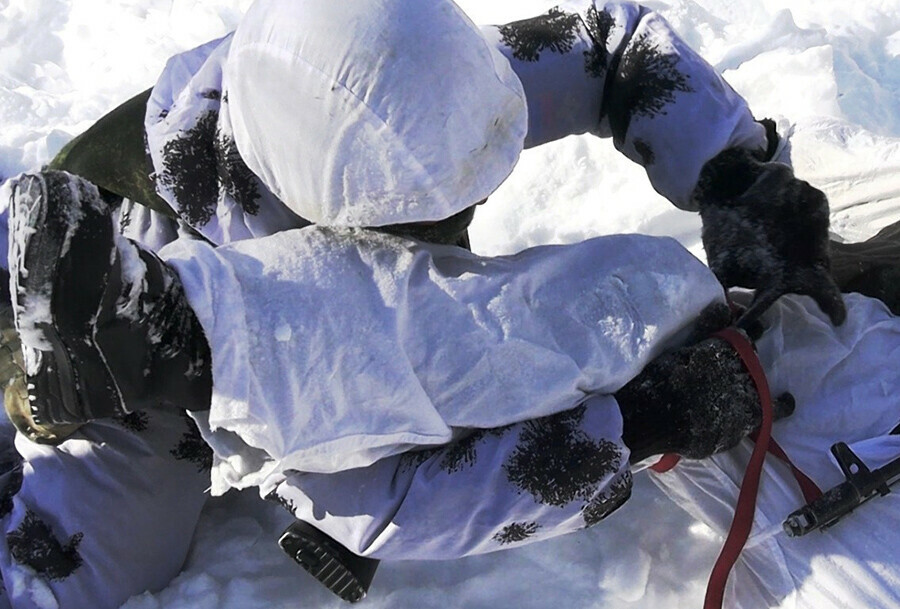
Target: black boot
(104,324)
(334,566)
(871,267)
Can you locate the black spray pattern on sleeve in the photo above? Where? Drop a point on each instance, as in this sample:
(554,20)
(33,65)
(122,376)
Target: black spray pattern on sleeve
(607,502)
(555,31)
(599,24)
(558,463)
(34,545)
(193,448)
(190,172)
(236,179)
(135,422)
(516,532)
(464,453)
(203,163)
(646,82)
(413,459)
(456,456)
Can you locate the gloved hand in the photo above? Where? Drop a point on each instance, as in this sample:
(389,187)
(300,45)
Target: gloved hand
(694,401)
(765,229)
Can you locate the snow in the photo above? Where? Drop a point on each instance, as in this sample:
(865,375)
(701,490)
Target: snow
(134,271)
(830,67)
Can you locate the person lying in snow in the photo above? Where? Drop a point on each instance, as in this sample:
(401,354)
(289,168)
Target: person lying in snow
(526,348)
(229,170)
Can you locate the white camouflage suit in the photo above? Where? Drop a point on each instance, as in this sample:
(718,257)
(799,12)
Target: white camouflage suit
(411,400)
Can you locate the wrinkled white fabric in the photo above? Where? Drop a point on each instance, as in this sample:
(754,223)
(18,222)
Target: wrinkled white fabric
(847,385)
(335,348)
(107,514)
(325,119)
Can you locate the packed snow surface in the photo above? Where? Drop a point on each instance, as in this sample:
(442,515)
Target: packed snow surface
(831,69)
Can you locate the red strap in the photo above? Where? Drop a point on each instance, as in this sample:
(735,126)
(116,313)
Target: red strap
(746,504)
(810,489)
(665,463)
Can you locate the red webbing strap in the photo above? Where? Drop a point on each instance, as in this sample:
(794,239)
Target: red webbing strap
(746,503)
(665,463)
(810,489)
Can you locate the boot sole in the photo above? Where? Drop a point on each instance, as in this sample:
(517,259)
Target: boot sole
(332,565)
(59,225)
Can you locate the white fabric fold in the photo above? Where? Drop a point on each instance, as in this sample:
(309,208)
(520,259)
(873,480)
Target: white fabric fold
(335,348)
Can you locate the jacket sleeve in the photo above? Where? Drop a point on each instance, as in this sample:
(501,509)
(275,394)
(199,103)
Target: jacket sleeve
(490,489)
(619,70)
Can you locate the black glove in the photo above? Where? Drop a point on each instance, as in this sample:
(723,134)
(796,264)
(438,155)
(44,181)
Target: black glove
(765,229)
(695,401)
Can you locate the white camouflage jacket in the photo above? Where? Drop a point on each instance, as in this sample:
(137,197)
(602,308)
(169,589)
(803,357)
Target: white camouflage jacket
(615,70)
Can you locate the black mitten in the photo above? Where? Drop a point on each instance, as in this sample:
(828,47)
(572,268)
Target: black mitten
(695,401)
(765,229)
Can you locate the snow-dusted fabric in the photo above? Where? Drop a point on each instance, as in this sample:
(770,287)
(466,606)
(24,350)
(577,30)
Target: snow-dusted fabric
(847,385)
(372,113)
(107,514)
(491,490)
(613,69)
(333,349)
(618,69)
(197,168)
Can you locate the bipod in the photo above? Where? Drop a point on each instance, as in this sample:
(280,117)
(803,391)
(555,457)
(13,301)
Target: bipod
(861,485)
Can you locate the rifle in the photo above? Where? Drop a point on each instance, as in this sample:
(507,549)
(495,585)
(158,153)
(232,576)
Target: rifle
(861,485)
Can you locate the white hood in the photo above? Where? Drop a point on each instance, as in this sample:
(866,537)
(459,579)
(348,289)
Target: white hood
(372,113)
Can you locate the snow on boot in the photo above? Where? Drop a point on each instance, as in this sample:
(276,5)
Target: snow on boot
(104,325)
(694,401)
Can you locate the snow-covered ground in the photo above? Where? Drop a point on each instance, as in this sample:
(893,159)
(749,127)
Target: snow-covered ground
(831,67)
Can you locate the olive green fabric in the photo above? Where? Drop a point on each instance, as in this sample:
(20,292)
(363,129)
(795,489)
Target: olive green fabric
(112,155)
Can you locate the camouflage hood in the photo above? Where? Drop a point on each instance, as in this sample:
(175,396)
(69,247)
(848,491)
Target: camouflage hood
(354,121)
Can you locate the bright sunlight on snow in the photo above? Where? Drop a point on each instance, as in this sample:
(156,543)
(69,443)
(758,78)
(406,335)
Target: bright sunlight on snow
(828,70)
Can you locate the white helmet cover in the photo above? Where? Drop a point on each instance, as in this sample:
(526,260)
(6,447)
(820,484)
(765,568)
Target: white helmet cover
(373,112)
